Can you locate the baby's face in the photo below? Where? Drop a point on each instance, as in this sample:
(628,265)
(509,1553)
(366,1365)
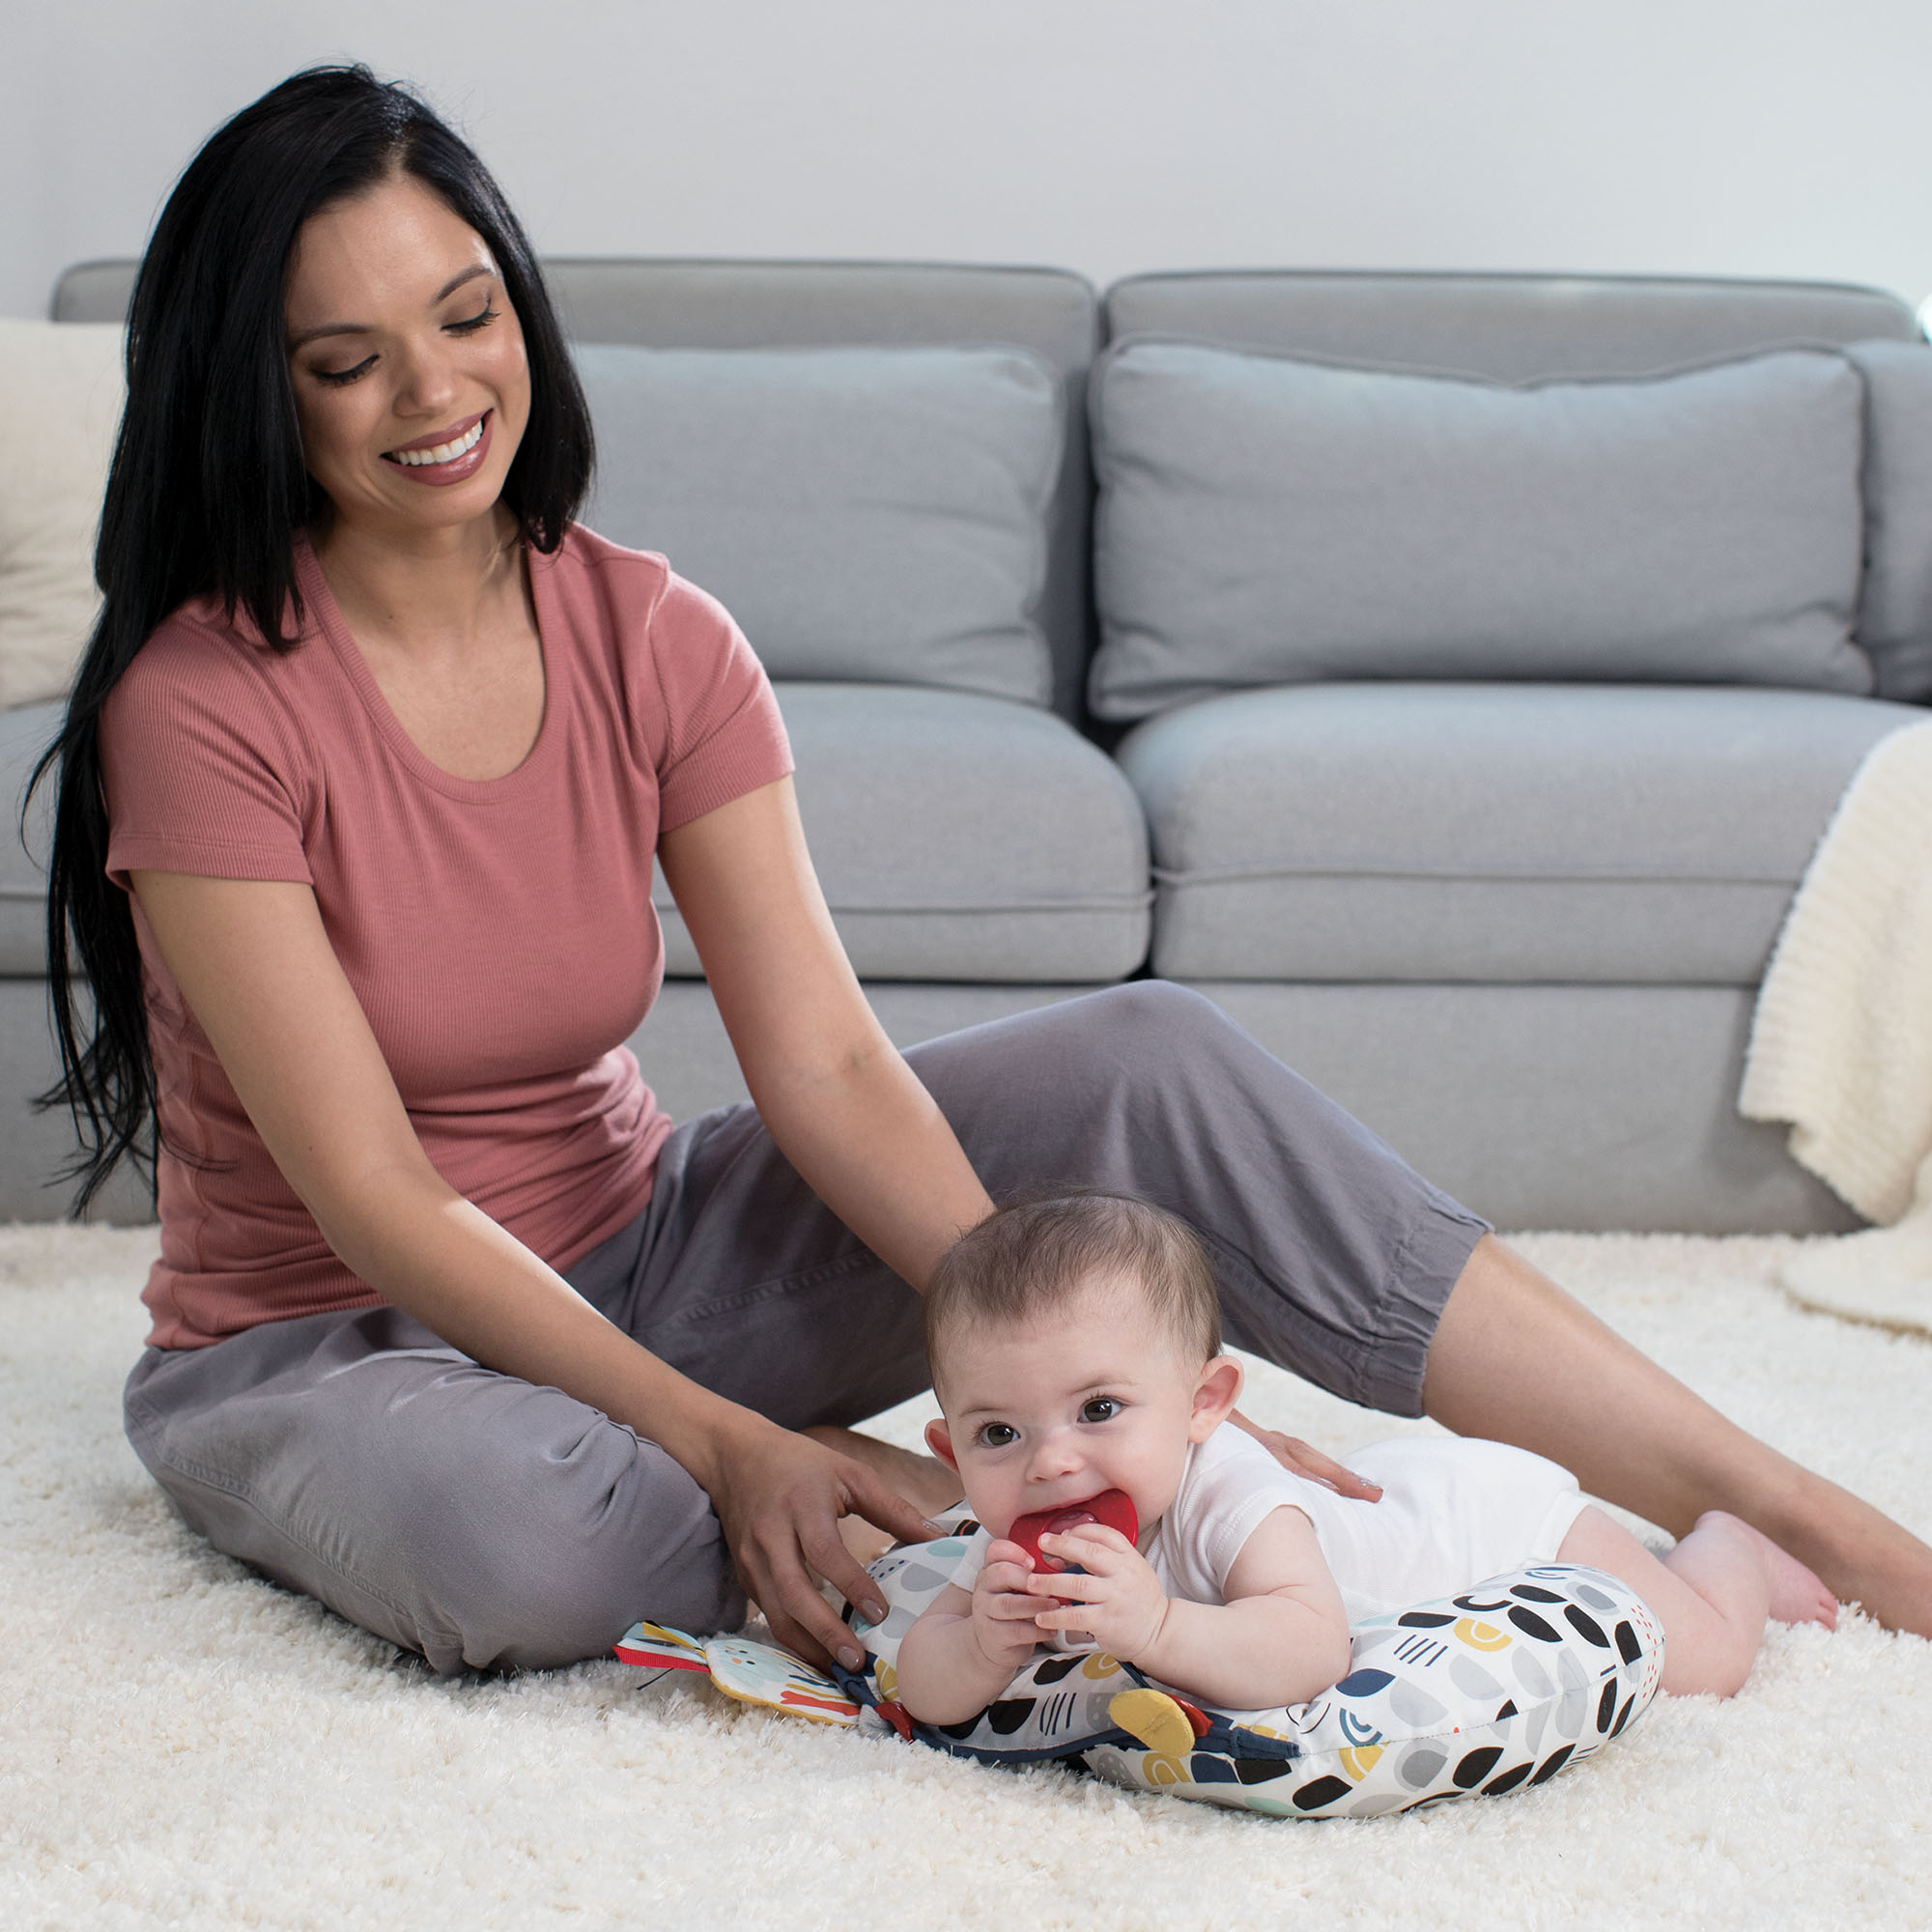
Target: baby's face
(1095,1397)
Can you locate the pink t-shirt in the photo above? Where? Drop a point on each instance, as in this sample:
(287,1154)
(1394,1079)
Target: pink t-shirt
(498,933)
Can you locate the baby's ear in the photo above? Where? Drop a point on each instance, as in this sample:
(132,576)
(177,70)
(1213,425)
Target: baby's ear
(1215,1395)
(939,1440)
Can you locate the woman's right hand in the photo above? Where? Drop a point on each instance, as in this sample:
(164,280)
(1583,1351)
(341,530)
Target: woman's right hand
(779,1496)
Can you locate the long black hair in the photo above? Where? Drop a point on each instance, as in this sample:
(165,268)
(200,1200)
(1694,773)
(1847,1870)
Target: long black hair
(208,489)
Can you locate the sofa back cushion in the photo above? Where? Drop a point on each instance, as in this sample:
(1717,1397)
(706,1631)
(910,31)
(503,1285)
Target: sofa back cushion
(1895,627)
(869,514)
(668,304)
(1267,518)
(1518,328)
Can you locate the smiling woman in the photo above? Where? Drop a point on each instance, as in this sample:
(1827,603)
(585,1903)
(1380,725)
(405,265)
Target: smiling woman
(412,415)
(362,786)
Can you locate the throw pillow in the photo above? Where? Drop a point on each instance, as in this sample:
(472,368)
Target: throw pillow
(61,390)
(1271,519)
(873,514)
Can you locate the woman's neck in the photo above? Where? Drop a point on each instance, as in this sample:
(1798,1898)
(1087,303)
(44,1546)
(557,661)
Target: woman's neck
(422,590)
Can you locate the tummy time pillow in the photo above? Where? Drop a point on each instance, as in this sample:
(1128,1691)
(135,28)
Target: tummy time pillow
(1487,1692)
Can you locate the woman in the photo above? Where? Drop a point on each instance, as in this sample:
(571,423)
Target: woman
(361,787)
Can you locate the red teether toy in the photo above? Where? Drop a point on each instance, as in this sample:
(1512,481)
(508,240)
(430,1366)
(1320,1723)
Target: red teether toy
(1112,1509)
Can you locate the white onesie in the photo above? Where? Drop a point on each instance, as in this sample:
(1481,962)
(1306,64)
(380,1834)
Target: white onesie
(1455,1510)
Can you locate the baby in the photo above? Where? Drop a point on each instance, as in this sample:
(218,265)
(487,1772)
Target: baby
(1075,1348)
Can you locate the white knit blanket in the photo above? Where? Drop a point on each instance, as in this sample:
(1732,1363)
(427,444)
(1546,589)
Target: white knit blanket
(1841,1041)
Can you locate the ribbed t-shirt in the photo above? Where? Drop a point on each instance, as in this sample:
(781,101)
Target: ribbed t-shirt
(498,932)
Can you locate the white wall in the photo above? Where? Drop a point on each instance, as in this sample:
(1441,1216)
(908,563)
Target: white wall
(1753,137)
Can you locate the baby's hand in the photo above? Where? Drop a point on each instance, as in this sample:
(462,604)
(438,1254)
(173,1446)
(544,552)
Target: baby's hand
(1119,1601)
(1003,1614)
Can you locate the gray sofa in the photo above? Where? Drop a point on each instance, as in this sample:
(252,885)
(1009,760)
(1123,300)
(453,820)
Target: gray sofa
(1481,833)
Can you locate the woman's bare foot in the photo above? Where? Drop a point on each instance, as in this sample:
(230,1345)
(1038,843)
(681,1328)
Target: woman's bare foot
(1860,1555)
(1797,1596)
(863,1543)
(923,1480)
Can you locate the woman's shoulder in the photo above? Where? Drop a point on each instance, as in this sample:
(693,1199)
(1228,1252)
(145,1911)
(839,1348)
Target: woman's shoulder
(635,593)
(207,676)
(201,644)
(678,670)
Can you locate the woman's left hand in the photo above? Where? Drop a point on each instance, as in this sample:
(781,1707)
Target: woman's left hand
(1291,1453)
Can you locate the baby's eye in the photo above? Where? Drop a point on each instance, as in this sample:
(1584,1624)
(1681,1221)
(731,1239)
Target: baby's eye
(998,1435)
(1099,1408)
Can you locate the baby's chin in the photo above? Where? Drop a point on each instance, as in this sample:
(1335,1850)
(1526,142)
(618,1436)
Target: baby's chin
(995,1523)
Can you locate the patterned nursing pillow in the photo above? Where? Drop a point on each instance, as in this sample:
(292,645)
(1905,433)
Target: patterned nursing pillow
(1499,1686)
(1479,1694)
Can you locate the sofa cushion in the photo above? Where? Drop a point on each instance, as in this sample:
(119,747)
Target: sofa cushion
(1895,611)
(1267,518)
(1433,832)
(1514,328)
(24,734)
(61,390)
(961,838)
(874,514)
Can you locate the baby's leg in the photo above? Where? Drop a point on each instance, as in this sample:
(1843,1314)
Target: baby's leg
(1712,1594)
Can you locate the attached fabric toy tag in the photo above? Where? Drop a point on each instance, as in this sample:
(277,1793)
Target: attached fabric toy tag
(751,1672)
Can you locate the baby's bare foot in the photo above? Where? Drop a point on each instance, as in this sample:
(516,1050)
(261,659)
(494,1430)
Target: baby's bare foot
(1796,1595)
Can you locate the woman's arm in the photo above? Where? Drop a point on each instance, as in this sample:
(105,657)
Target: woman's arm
(847,1111)
(254,963)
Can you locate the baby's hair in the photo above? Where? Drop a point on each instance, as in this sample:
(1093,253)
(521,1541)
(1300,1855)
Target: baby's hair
(1034,1256)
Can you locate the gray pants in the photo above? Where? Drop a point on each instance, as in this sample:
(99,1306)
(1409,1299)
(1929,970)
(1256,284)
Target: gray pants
(483,1520)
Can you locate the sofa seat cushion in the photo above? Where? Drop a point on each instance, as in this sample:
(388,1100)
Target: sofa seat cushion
(1467,832)
(961,838)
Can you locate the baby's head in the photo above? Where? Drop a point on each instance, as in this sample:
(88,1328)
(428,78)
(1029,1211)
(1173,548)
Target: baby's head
(1075,1347)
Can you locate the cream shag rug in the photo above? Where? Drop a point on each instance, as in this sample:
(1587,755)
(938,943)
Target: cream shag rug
(183,1744)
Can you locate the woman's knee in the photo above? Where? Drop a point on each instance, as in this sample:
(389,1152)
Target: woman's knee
(542,1618)
(532,1538)
(1160,1019)
(1160,1003)
(550,1573)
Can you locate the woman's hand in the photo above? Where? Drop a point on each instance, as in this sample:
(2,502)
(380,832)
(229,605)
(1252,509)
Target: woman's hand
(1291,1453)
(780,1497)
